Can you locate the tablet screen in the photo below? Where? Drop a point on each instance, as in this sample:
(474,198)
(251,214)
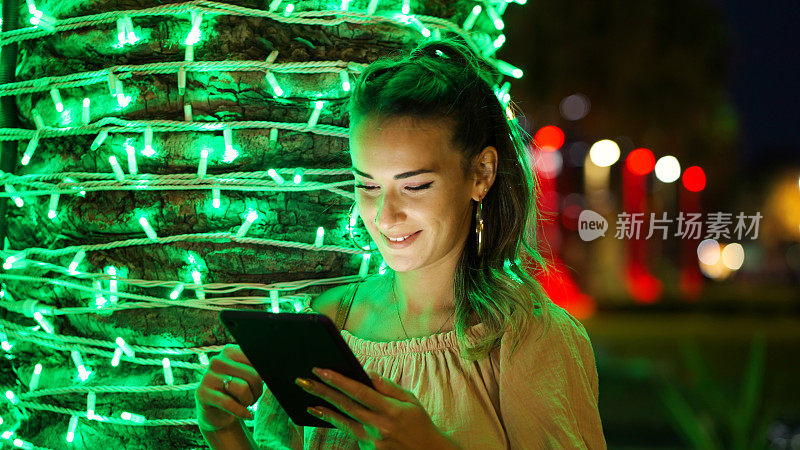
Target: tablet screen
(284,346)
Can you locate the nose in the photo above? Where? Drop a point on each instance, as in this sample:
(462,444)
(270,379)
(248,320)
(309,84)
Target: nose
(389,213)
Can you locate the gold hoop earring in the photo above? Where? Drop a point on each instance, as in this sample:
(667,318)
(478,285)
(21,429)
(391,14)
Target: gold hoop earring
(353,233)
(479,225)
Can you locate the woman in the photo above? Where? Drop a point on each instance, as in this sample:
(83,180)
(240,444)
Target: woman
(464,348)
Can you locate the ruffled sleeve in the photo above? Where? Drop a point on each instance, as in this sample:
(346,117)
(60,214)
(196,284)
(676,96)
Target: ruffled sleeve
(273,428)
(549,389)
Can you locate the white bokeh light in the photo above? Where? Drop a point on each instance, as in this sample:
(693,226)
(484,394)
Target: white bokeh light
(549,164)
(733,256)
(708,252)
(668,169)
(604,153)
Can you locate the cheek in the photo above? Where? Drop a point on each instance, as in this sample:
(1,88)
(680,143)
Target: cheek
(448,205)
(440,214)
(438,210)
(365,208)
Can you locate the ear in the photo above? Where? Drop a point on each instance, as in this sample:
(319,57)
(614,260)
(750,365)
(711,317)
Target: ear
(484,168)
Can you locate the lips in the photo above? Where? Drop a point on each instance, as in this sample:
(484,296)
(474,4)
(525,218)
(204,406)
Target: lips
(395,238)
(404,243)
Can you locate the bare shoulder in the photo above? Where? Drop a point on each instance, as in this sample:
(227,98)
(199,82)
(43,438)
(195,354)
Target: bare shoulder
(328,301)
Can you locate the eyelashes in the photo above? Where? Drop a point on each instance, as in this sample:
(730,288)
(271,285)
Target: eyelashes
(410,188)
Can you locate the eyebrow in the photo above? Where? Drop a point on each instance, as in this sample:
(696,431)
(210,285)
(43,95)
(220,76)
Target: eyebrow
(396,177)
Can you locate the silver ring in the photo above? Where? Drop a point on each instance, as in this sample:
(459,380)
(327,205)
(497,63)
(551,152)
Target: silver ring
(226,383)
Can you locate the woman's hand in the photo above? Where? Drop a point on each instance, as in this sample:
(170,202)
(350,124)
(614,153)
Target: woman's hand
(218,407)
(387,417)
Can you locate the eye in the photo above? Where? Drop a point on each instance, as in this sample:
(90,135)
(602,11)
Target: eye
(410,188)
(420,187)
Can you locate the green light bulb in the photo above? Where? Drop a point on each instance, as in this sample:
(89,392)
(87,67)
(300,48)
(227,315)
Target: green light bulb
(194,32)
(320,237)
(73,425)
(275,176)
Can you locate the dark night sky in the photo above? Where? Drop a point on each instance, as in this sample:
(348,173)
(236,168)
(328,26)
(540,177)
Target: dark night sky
(765,66)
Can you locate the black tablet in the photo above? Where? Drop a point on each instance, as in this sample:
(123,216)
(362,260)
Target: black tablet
(284,346)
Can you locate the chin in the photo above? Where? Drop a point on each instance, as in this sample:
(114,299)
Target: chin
(399,264)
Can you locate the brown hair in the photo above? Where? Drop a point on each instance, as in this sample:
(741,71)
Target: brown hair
(445,80)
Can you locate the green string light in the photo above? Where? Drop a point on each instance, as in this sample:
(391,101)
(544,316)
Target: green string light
(85,111)
(32,144)
(128,35)
(148,150)
(37,372)
(194,33)
(320,237)
(73,425)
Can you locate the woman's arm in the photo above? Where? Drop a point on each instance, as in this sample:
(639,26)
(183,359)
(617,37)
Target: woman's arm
(549,389)
(234,437)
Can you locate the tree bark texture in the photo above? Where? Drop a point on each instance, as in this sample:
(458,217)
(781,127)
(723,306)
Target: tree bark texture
(107,216)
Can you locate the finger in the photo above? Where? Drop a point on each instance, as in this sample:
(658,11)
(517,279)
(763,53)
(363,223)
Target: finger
(356,390)
(223,367)
(345,404)
(235,353)
(223,364)
(259,389)
(373,433)
(238,389)
(355,429)
(214,398)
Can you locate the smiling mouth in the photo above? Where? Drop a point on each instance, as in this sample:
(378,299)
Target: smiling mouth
(401,238)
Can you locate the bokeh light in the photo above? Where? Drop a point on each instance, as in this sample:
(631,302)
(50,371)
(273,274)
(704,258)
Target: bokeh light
(574,107)
(549,138)
(576,153)
(548,164)
(717,271)
(733,256)
(708,252)
(604,153)
(668,169)
(694,179)
(641,161)
(571,207)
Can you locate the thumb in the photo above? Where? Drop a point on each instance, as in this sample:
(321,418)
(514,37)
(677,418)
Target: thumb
(388,387)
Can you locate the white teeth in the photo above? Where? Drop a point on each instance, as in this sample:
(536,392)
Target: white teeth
(398,239)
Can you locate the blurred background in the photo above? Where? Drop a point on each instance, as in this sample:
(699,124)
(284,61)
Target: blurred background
(667,111)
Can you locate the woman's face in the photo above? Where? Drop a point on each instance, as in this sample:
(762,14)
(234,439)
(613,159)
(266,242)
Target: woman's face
(409,181)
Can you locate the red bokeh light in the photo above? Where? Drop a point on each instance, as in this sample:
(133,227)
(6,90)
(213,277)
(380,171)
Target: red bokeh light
(569,217)
(641,161)
(549,138)
(694,179)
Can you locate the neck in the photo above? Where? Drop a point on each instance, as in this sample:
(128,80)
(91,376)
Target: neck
(427,292)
